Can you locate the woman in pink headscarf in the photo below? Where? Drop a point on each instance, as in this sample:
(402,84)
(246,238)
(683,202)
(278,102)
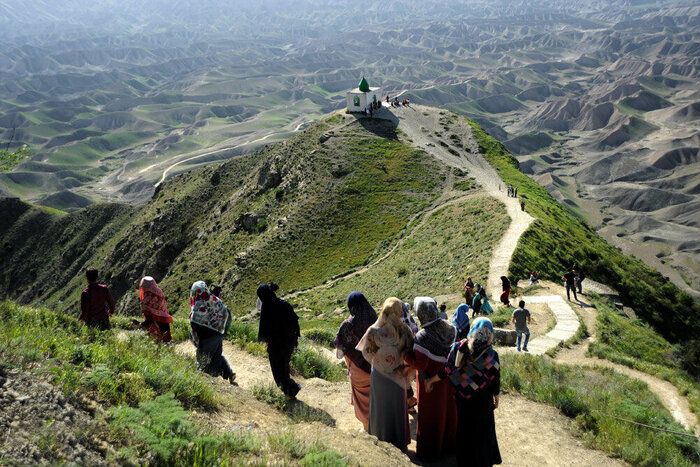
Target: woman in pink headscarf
(384,345)
(155,312)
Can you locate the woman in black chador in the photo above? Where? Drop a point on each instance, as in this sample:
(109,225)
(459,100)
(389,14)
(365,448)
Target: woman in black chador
(279,328)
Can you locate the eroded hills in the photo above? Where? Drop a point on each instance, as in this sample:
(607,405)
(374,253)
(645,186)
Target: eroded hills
(599,100)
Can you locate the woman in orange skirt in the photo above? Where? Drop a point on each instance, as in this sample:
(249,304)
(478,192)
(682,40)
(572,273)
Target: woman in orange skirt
(362,316)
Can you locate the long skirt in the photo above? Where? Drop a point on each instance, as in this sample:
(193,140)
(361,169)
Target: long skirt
(159,331)
(279,364)
(359,382)
(505,296)
(437,415)
(388,413)
(210,356)
(476,431)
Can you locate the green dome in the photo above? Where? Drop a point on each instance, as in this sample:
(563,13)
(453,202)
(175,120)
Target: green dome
(364,85)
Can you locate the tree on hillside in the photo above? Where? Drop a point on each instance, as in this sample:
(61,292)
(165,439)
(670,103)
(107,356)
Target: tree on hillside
(9,159)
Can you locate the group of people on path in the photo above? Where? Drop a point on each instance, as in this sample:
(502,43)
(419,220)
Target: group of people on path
(210,320)
(475,296)
(512,191)
(455,366)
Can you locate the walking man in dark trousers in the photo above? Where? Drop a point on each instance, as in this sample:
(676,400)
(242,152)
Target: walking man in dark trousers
(96,303)
(570,279)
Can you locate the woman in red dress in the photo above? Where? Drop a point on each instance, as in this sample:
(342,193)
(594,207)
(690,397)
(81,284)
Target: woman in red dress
(437,414)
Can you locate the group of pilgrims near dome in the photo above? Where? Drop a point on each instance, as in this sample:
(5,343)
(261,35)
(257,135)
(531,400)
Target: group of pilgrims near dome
(454,364)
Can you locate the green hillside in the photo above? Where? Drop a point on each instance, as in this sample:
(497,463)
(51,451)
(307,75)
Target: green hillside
(296,212)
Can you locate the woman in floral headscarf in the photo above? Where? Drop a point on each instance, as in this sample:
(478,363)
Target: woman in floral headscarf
(362,316)
(384,345)
(155,312)
(437,416)
(474,370)
(210,320)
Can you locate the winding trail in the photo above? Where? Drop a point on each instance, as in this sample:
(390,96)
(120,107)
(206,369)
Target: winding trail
(440,203)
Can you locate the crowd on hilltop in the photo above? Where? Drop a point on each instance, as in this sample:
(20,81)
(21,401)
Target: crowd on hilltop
(453,362)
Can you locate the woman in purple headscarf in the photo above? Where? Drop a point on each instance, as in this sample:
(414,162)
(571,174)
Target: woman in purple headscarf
(362,316)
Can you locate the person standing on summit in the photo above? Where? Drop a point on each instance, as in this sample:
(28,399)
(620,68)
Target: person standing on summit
(96,303)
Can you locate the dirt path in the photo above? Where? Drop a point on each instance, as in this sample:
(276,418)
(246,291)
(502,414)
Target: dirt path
(521,441)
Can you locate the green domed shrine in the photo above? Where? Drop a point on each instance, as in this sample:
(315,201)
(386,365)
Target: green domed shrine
(360,98)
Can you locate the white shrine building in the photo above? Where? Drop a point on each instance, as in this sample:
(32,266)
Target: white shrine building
(360,98)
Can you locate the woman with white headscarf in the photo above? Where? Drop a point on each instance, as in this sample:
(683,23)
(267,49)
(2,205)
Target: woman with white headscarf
(384,345)
(209,322)
(474,369)
(437,415)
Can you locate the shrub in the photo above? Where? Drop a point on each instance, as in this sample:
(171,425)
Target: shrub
(324,337)
(310,363)
(161,427)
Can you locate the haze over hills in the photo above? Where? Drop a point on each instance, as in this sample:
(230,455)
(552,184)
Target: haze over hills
(599,100)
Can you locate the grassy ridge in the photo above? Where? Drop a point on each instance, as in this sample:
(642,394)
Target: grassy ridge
(557,239)
(317,210)
(597,400)
(633,343)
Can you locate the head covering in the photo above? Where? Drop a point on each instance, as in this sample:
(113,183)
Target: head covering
(266,294)
(505,282)
(407,317)
(153,301)
(279,324)
(207,309)
(461,317)
(480,335)
(473,363)
(437,335)
(385,342)
(362,316)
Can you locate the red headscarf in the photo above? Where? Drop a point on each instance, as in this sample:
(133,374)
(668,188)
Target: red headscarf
(153,301)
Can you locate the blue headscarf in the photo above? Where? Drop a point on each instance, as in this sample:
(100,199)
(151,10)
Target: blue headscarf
(461,317)
(481,332)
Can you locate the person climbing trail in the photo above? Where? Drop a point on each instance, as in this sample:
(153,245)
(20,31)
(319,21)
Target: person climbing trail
(96,303)
(473,367)
(437,414)
(279,328)
(210,320)
(362,316)
(156,319)
(384,345)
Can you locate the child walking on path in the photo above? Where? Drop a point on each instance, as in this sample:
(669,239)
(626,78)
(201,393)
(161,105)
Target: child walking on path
(521,318)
